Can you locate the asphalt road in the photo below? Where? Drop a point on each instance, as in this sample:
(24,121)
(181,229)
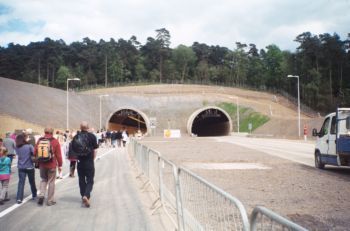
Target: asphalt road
(299,151)
(115,201)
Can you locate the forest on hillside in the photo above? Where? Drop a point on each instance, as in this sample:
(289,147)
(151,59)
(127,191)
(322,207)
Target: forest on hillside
(322,63)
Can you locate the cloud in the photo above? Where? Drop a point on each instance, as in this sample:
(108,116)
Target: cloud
(220,22)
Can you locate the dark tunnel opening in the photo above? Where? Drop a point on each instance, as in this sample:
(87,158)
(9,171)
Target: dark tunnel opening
(132,120)
(211,122)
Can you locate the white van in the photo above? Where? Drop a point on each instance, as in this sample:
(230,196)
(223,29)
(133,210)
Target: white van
(333,140)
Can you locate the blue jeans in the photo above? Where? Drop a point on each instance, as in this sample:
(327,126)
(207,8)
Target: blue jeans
(22,178)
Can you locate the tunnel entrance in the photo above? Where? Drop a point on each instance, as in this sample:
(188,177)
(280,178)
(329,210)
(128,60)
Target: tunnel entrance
(210,121)
(131,119)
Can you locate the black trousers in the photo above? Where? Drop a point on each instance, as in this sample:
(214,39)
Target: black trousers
(86,175)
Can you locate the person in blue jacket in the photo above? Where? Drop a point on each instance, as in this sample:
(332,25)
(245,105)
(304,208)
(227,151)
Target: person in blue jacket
(5,166)
(25,153)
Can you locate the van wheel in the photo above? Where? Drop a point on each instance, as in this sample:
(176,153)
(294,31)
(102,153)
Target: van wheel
(318,161)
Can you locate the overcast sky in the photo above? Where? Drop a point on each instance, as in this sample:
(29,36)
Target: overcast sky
(214,22)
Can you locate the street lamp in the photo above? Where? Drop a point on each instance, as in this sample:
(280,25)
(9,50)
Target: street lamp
(100,96)
(232,97)
(73,79)
(296,76)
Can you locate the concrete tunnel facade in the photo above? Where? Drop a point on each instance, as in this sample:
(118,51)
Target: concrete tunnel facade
(209,121)
(130,118)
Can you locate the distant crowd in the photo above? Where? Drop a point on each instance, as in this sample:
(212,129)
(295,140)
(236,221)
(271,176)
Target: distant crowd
(45,152)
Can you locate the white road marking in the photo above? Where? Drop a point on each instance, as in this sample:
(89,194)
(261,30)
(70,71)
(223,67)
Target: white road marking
(296,151)
(226,166)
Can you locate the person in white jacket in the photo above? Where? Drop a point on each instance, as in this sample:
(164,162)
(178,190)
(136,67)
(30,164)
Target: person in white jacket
(125,136)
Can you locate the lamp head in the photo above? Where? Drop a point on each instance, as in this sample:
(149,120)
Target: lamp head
(75,79)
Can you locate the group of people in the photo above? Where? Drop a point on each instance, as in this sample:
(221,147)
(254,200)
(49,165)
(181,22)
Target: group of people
(27,150)
(114,138)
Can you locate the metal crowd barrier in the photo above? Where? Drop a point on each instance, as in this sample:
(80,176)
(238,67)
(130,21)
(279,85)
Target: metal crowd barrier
(169,193)
(207,207)
(153,170)
(264,219)
(192,203)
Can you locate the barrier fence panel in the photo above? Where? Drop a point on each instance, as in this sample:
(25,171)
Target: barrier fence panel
(154,170)
(138,155)
(207,207)
(169,193)
(193,203)
(145,160)
(264,219)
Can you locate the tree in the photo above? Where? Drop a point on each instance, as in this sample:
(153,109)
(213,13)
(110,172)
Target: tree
(63,74)
(255,68)
(322,62)
(272,64)
(163,39)
(149,52)
(240,63)
(183,57)
(333,55)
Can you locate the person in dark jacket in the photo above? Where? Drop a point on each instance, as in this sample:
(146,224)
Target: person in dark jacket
(86,165)
(119,138)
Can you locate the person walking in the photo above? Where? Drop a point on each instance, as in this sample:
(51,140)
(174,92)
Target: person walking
(119,138)
(30,139)
(10,145)
(125,137)
(59,137)
(25,154)
(84,145)
(71,156)
(5,166)
(48,167)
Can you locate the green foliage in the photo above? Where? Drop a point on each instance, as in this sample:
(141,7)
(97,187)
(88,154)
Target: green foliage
(63,74)
(255,118)
(321,61)
(246,116)
(184,58)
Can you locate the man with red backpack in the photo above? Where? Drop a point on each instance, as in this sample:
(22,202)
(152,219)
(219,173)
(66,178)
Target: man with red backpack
(48,154)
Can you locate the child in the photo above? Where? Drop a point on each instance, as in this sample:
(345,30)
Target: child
(5,166)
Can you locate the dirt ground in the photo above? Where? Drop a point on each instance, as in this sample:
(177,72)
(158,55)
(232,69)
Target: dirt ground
(315,199)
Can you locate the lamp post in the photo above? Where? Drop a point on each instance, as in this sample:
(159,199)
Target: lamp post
(296,76)
(100,96)
(232,97)
(69,79)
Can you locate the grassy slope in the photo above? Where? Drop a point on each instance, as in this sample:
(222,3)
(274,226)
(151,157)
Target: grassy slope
(246,116)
